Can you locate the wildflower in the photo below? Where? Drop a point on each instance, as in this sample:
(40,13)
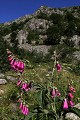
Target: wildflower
(65,104)
(71,103)
(20,66)
(25,110)
(19,82)
(10,58)
(58,66)
(12,62)
(70,95)
(58,93)
(26,86)
(55,93)
(72,89)
(15,65)
(21,105)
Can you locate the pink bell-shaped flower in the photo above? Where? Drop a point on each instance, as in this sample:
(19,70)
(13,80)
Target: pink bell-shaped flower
(20,66)
(12,62)
(10,58)
(58,66)
(71,103)
(72,89)
(24,85)
(21,105)
(16,65)
(53,93)
(57,93)
(65,104)
(70,95)
(25,110)
(19,82)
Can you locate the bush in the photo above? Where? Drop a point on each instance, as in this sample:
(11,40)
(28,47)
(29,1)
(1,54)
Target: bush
(53,35)
(4,65)
(56,18)
(42,15)
(33,36)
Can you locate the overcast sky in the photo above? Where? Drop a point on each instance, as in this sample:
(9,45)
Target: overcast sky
(13,9)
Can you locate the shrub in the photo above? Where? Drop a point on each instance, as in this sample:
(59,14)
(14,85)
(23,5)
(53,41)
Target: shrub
(33,36)
(53,35)
(42,15)
(4,65)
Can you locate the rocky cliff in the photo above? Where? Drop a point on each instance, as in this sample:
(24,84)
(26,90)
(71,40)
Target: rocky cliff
(47,26)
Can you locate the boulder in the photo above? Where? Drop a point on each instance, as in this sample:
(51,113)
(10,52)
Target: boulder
(11,78)
(72,116)
(2,75)
(2,81)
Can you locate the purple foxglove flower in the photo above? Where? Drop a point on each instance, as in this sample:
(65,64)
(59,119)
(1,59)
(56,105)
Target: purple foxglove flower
(25,110)
(58,66)
(24,85)
(70,95)
(72,89)
(58,93)
(65,104)
(19,82)
(71,103)
(15,65)
(10,58)
(12,62)
(21,105)
(53,93)
(20,66)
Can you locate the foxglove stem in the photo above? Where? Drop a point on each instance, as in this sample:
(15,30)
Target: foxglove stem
(38,75)
(54,105)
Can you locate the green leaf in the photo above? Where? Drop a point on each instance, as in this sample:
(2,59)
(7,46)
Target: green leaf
(29,116)
(40,97)
(75,111)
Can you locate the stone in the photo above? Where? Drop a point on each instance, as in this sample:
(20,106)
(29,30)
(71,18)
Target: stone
(1,92)
(2,81)
(72,116)
(76,55)
(11,78)
(2,75)
(13,107)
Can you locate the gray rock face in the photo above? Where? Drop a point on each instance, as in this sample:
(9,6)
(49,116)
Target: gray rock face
(40,25)
(72,116)
(76,55)
(2,81)
(37,48)
(76,40)
(22,37)
(48,10)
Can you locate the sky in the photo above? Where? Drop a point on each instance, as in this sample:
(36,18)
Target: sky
(13,9)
